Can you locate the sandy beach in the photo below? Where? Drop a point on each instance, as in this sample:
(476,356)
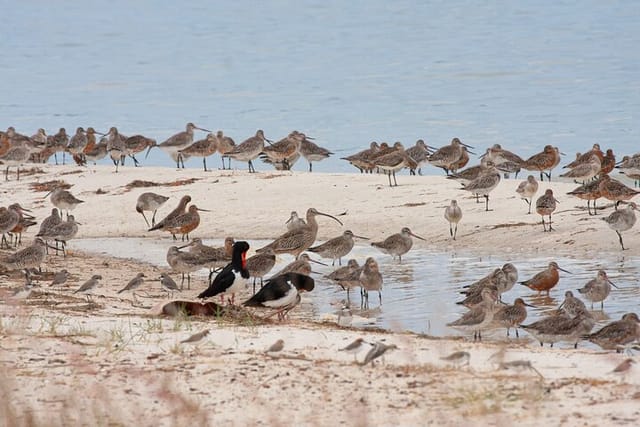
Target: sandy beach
(115,361)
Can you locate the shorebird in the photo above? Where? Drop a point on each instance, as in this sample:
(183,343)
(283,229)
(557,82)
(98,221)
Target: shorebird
(259,265)
(225,144)
(276,346)
(395,161)
(378,350)
(348,276)
(284,151)
(545,280)
(26,259)
(598,289)
(177,142)
(545,205)
(202,148)
(40,137)
(453,214)
(420,154)
(249,149)
(519,365)
(115,146)
(448,155)
(355,347)
(546,160)
(179,210)
(302,265)
(614,190)
(183,263)
(471,173)
(232,278)
(511,316)
(370,280)
(185,223)
(479,316)
(630,167)
(361,159)
(63,200)
(484,184)
(150,202)
(58,143)
(49,222)
(9,219)
(212,257)
(137,144)
(586,157)
(461,162)
(296,241)
(624,367)
(585,171)
(337,247)
(616,335)
(398,244)
(60,278)
(94,152)
(313,152)
(134,283)
(622,220)
(196,337)
(589,191)
(89,286)
(527,189)
(294,222)
(168,284)
(23,224)
(458,358)
(505,160)
(62,233)
(561,327)
(572,305)
(608,163)
(16,156)
(281,293)
(77,143)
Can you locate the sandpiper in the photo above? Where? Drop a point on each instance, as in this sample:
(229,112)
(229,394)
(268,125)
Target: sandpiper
(296,241)
(589,192)
(60,278)
(89,286)
(276,347)
(447,155)
(259,265)
(395,161)
(168,283)
(183,263)
(479,316)
(313,152)
(585,171)
(545,160)
(337,247)
(63,200)
(150,202)
(527,189)
(137,144)
(398,244)
(249,149)
(511,316)
(561,327)
(361,159)
(572,305)
(184,223)
(348,276)
(545,205)
(179,210)
(177,142)
(378,350)
(295,222)
(420,154)
(546,279)
(598,289)
(370,280)
(302,265)
(225,144)
(202,148)
(197,337)
(622,220)
(484,184)
(355,347)
(614,190)
(134,283)
(26,259)
(616,335)
(62,233)
(458,358)
(453,214)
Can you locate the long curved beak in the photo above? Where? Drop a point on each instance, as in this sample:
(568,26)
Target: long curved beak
(466,145)
(417,237)
(562,269)
(331,216)
(612,284)
(529,305)
(202,129)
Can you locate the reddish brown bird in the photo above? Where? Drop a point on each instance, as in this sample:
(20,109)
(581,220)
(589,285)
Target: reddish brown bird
(614,190)
(546,279)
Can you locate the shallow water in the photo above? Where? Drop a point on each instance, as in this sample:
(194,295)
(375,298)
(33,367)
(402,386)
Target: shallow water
(520,74)
(419,294)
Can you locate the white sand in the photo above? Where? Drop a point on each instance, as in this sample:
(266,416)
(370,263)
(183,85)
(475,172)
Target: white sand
(68,362)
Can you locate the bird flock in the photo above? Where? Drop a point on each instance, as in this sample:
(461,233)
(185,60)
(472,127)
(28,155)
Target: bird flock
(230,269)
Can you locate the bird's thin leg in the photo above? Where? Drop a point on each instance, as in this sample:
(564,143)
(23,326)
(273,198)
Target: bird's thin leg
(145,219)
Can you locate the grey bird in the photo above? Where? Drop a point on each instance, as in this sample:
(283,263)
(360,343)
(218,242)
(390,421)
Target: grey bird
(60,278)
(378,350)
(168,283)
(134,283)
(196,337)
(276,347)
(458,358)
(90,285)
(355,347)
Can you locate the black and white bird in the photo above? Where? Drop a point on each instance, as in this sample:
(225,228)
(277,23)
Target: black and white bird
(232,278)
(281,293)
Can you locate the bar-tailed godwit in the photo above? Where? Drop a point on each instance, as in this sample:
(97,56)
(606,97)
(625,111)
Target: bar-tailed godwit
(453,214)
(397,244)
(622,220)
(527,189)
(598,289)
(511,316)
(545,205)
(616,335)
(546,280)
(337,247)
(150,202)
(249,149)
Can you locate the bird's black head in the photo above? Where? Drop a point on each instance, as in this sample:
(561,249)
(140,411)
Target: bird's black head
(239,255)
(302,282)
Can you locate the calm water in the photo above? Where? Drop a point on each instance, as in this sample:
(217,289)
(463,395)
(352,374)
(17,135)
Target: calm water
(516,73)
(420,294)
